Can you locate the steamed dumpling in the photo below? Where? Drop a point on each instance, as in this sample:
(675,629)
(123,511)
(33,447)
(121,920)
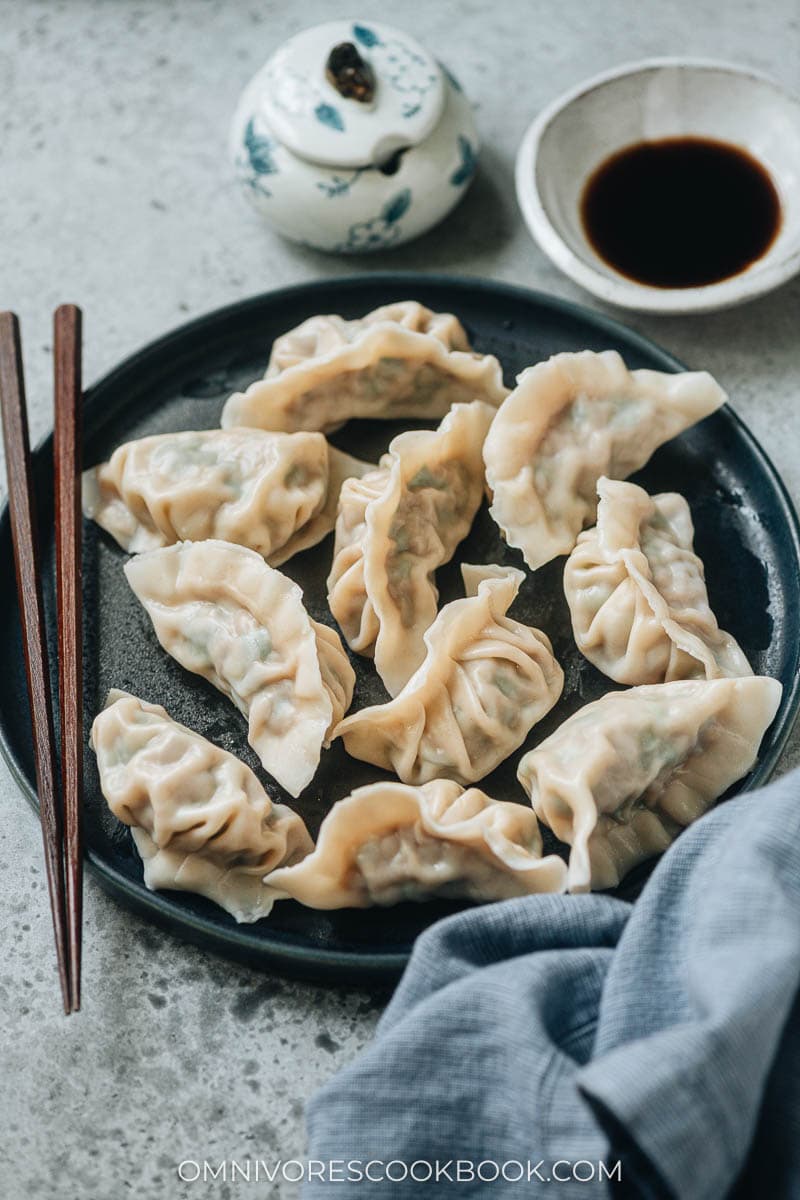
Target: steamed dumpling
(570,420)
(396,526)
(223,613)
(637,594)
(341,466)
(274,492)
(623,775)
(200,819)
(485,682)
(401,360)
(388,842)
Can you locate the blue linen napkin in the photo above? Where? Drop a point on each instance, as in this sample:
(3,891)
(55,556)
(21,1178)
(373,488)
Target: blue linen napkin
(562,1030)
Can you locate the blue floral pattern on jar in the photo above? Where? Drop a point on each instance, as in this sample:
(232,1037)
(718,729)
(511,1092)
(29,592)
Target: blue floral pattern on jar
(340,185)
(257,160)
(368,37)
(329,115)
(381,231)
(469,161)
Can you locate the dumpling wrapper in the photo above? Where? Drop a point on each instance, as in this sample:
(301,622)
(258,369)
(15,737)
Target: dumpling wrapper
(623,775)
(387,842)
(485,682)
(637,593)
(341,467)
(276,493)
(569,421)
(223,613)
(200,819)
(396,526)
(402,360)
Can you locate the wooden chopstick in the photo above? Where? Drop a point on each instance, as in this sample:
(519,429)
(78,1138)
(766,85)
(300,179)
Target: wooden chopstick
(29,590)
(67,457)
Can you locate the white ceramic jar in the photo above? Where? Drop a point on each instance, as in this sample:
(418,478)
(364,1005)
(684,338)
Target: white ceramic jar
(357,150)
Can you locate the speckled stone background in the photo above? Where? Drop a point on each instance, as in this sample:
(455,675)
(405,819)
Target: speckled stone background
(115,193)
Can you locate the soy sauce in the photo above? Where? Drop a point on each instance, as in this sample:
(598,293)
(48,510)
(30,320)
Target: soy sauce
(680,212)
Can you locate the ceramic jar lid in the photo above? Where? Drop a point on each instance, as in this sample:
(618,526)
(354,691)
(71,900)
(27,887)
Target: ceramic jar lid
(349,94)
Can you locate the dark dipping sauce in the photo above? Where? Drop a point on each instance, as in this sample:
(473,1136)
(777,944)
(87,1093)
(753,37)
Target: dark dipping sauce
(680,212)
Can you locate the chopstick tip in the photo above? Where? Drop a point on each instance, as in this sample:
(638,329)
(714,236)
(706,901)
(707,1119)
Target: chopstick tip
(68,312)
(9,321)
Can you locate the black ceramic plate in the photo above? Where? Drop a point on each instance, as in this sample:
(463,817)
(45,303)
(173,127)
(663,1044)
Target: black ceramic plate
(747,533)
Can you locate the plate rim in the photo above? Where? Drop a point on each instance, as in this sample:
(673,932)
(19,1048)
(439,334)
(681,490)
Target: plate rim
(317,962)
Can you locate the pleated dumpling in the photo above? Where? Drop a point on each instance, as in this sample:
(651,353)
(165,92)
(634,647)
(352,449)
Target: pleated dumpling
(273,492)
(637,594)
(570,420)
(401,360)
(485,682)
(341,466)
(200,819)
(223,613)
(623,775)
(387,842)
(396,526)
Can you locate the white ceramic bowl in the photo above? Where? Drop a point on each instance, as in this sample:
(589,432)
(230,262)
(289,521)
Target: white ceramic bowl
(657,98)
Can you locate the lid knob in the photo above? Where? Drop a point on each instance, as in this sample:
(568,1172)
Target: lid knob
(352,77)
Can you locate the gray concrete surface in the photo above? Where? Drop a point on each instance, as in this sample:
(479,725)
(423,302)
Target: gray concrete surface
(115,192)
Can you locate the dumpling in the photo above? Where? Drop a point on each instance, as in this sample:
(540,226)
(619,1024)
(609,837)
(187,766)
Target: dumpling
(637,594)
(387,842)
(401,360)
(396,525)
(273,492)
(569,421)
(623,775)
(223,613)
(341,467)
(200,819)
(485,682)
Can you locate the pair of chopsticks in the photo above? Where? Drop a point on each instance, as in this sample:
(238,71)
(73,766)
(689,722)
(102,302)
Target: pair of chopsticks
(59,809)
